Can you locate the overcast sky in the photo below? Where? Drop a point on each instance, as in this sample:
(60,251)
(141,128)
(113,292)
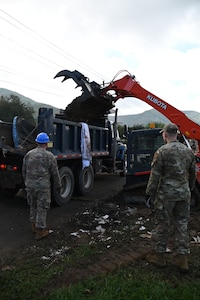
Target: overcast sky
(156,40)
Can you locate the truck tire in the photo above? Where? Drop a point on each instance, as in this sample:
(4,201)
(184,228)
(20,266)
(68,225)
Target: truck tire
(84,180)
(67,189)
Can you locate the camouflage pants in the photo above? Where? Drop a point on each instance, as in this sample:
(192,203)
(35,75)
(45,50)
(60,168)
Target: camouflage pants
(171,217)
(39,202)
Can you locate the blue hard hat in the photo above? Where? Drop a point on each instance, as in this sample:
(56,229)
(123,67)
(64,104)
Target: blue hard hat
(42,138)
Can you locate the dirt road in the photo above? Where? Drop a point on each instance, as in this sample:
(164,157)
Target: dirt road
(122,229)
(14,214)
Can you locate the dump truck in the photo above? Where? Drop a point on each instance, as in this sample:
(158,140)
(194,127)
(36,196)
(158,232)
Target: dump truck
(106,151)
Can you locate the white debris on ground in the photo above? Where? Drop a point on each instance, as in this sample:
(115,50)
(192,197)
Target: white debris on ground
(196,240)
(55,255)
(103,225)
(76,234)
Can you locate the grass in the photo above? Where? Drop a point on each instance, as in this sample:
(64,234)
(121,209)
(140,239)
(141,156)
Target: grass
(128,284)
(23,281)
(33,277)
(25,278)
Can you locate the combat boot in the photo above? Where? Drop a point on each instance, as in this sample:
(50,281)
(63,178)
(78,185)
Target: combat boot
(156,258)
(181,262)
(41,233)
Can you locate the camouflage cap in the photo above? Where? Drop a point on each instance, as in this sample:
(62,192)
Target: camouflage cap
(170,128)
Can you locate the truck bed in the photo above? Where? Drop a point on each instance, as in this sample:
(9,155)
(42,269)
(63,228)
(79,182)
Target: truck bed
(65,136)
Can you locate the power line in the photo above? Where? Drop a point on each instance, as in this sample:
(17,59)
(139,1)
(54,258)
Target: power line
(55,48)
(34,59)
(29,87)
(29,50)
(26,30)
(22,75)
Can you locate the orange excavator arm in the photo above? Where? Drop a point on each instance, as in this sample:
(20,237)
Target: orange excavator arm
(97,101)
(127,86)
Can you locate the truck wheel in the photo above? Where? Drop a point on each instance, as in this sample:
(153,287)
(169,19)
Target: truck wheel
(67,189)
(84,180)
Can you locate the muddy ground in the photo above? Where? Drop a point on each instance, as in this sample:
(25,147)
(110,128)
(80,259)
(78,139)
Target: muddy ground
(106,217)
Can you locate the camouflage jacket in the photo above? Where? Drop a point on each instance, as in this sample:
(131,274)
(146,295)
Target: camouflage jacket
(39,167)
(173,172)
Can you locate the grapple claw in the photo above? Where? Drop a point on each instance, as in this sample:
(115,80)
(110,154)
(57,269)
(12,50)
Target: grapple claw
(75,75)
(91,104)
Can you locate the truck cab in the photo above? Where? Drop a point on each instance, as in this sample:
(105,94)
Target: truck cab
(141,147)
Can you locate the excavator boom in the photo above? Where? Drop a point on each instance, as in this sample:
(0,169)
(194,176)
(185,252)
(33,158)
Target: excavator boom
(97,101)
(129,87)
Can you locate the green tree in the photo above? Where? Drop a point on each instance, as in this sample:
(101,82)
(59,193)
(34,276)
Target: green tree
(147,126)
(12,106)
(136,127)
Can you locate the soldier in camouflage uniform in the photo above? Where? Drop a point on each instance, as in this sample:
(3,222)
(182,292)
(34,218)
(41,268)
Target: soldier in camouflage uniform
(170,183)
(39,167)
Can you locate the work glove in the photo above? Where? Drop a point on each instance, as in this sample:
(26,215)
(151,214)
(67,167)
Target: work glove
(149,202)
